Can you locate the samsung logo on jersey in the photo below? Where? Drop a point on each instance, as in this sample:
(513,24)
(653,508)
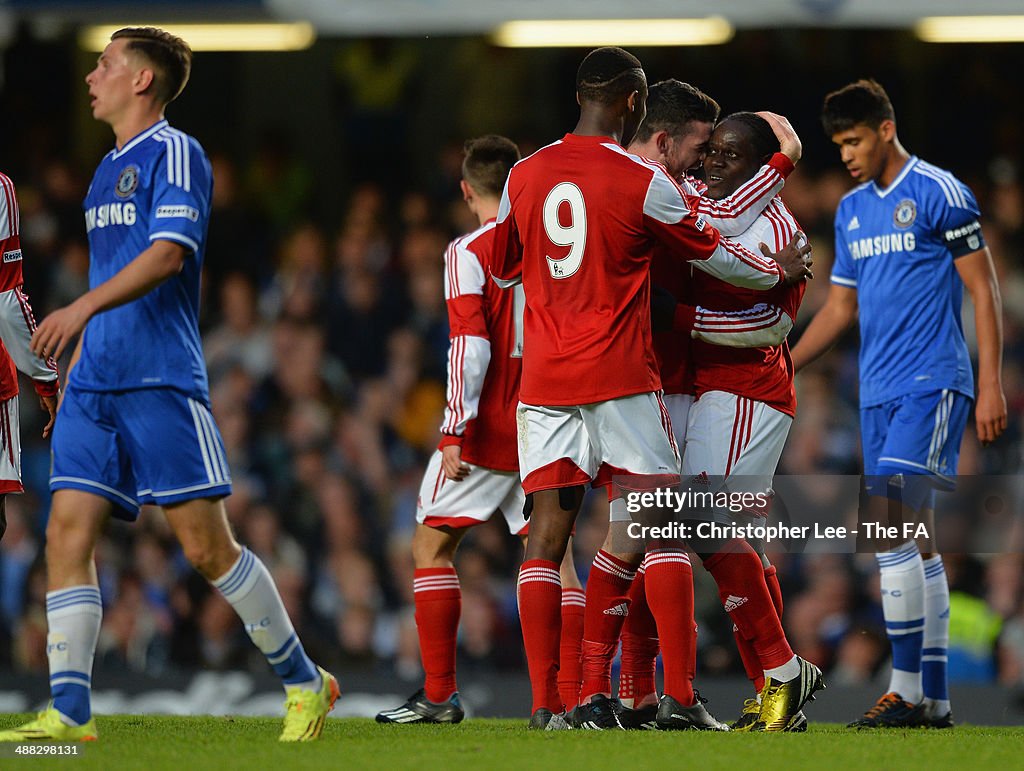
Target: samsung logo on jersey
(12,256)
(885,244)
(166,212)
(109,214)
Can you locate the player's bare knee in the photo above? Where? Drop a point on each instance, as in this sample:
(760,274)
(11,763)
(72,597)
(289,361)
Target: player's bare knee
(68,542)
(550,545)
(212,558)
(434,547)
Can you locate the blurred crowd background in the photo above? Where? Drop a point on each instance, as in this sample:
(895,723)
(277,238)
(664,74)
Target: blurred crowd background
(326,336)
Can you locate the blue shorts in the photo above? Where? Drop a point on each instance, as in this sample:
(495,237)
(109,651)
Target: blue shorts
(152,445)
(917,435)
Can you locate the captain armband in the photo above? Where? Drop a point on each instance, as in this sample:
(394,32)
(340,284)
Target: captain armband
(964,239)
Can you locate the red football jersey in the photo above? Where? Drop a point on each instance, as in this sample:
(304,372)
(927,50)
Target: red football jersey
(577,226)
(731,215)
(485,359)
(761,374)
(16,320)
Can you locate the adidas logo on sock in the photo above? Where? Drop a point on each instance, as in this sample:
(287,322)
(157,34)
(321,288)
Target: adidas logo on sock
(731,602)
(622,609)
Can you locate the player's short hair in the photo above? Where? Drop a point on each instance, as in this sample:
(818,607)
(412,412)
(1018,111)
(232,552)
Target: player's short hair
(761,135)
(488,161)
(169,56)
(864,102)
(609,74)
(672,105)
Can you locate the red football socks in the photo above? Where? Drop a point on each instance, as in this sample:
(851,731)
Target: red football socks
(741,585)
(438,605)
(570,655)
(639,648)
(751,663)
(607,607)
(540,614)
(669,579)
(771,580)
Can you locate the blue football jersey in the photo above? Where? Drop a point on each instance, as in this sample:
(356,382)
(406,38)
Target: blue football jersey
(157,186)
(897,248)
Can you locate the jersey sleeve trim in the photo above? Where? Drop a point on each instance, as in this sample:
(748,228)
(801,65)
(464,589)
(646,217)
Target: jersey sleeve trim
(842,281)
(464,274)
(947,183)
(10,216)
(467,316)
(761,326)
(17,323)
(468,359)
(738,266)
(167,235)
(179,162)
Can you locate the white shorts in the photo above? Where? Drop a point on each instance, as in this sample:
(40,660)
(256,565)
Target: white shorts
(566,446)
(10,447)
(472,501)
(731,437)
(678,406)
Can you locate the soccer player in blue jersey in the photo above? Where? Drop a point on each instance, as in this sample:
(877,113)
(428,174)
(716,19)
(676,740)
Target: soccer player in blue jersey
(908,241)
(134,426)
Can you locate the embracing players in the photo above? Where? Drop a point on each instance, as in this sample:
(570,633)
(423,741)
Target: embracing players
(577,225)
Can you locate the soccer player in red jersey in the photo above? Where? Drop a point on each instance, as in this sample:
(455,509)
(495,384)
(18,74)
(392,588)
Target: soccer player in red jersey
(737,427)
(577,225)
(475,471)
(16,326)
(675,133)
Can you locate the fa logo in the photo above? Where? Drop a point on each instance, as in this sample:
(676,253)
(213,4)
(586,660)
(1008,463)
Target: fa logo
(905,214)
(127,182)
(263,623)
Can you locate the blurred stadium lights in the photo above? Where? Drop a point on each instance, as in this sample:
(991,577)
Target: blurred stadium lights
(295,36)
(971,29)
(712,30)
(414,18)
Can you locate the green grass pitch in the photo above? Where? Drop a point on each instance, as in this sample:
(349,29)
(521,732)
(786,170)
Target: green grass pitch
(152,743)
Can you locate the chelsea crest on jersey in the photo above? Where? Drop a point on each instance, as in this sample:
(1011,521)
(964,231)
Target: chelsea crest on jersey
(897,247)
(156,187)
